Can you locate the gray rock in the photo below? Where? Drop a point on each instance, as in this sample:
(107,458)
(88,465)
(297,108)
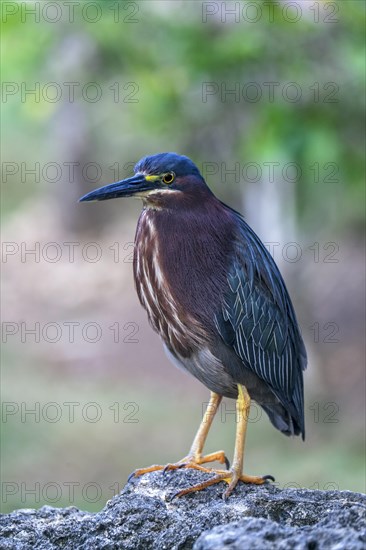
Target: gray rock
(142,517)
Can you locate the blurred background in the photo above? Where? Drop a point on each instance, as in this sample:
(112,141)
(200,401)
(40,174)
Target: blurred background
(268,99)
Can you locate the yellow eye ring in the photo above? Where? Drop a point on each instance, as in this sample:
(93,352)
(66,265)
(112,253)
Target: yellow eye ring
(168,178)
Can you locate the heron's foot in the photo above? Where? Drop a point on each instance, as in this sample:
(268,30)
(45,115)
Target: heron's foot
(231,477)
(190,461)
(194,462)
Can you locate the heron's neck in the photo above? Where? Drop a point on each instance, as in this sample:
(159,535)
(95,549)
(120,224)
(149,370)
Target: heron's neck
(186,250)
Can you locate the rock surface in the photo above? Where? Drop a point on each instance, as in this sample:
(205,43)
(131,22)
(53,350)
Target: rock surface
(142,517)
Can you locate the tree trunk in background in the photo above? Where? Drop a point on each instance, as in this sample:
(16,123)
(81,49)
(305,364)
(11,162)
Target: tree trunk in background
(72,135)
(269,208)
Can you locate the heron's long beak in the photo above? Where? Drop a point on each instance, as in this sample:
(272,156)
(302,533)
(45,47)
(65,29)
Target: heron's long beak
(123,188)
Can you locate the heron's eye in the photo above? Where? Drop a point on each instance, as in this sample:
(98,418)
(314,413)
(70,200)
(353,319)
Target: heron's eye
(168,178)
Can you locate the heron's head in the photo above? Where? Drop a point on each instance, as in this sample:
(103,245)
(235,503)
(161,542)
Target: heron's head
(162,179)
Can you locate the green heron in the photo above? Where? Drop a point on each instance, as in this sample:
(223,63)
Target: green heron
(215,296)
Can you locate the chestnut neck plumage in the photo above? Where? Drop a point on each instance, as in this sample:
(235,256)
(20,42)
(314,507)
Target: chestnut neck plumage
(182,249)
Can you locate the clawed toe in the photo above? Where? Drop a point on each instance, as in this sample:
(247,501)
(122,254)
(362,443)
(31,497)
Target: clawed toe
(231,477)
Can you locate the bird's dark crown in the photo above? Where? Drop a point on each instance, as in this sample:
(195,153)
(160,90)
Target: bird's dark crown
(167,162)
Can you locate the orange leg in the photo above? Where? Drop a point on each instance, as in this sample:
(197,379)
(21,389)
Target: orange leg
(195,458)
(235,474)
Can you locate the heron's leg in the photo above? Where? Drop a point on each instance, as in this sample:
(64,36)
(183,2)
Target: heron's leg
(195,453)
(235,474)
(195,458)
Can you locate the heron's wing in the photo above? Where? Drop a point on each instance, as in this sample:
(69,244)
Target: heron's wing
(258,321)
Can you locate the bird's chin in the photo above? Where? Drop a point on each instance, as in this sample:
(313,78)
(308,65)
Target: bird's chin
(157,192)
(157,198)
